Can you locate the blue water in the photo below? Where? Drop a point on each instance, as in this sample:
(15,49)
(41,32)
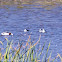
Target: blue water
(15,20)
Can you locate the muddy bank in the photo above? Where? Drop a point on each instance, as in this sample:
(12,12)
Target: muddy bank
(19,2)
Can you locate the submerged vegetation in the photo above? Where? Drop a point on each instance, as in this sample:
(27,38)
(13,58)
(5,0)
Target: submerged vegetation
(26,53)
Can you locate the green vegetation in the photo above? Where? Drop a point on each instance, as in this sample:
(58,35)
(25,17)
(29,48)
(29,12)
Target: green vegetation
(26,53)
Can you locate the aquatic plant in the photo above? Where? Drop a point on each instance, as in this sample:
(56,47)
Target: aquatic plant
(27,53)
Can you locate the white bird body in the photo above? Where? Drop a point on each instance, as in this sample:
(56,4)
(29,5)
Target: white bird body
(25,30)
(41,30)
(6,33)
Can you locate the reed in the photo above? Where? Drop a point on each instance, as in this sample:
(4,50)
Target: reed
(27,53)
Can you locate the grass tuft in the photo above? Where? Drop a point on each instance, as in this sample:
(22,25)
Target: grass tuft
(26,53)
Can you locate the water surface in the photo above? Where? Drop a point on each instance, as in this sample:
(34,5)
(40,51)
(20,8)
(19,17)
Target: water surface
(15,20)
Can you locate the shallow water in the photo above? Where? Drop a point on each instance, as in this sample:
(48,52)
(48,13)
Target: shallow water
(15,20)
